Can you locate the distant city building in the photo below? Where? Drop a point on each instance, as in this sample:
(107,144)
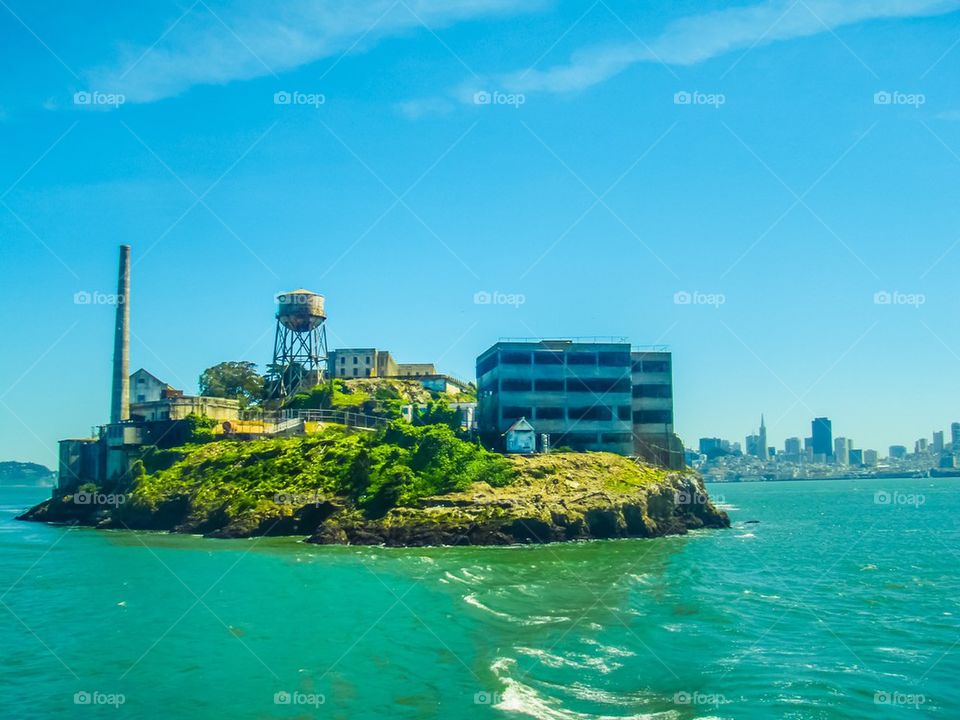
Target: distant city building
(898,452)
(791,447)
(938,442)
(822,436)
(584,395)
(841,450)
(870,458)
(856,458)
(762,440)
(920,446)
(752,443)
(955,436)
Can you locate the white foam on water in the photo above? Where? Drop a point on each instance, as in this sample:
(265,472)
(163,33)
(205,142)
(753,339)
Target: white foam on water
(471,599)
(525,700)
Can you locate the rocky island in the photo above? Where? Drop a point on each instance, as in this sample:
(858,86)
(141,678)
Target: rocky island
(400,486)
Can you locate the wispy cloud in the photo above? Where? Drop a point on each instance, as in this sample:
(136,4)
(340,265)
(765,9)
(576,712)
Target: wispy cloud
(248,39)
(698,38)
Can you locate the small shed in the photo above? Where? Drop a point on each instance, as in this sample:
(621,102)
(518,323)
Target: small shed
(521,437)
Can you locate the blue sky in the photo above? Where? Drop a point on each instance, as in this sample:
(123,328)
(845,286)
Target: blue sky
(778,164)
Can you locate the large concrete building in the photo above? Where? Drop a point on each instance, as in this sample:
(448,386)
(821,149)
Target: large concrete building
(583,395)
(370,362)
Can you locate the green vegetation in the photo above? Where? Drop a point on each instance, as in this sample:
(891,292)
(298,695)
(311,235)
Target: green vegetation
(246,482)
(236,380)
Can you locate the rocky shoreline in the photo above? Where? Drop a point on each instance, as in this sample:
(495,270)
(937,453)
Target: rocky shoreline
(555,499)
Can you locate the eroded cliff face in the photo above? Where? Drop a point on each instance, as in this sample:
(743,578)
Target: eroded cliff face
(536,510)
(554,498)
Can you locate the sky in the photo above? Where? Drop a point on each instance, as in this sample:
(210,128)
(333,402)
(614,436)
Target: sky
(768,188)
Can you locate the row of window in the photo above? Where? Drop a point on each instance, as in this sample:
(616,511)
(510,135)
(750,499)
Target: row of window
(588,412)
(652,391)
(651,366)
(586,440)
(343,360)
(549,357)
(591,385)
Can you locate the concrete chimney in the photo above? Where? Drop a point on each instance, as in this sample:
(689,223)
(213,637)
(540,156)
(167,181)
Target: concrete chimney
(120,399)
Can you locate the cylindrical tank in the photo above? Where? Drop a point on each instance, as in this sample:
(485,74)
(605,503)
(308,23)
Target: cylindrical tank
(300,310)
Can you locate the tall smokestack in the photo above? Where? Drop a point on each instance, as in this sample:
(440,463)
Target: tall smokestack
(120,399)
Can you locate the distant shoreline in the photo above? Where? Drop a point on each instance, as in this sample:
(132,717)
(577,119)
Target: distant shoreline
(892,476)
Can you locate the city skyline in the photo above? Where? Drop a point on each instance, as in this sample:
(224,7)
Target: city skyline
(611,170)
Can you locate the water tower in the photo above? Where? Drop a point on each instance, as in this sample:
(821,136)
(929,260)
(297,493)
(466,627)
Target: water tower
(300,344)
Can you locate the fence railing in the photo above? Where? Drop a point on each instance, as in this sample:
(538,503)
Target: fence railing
(340,417)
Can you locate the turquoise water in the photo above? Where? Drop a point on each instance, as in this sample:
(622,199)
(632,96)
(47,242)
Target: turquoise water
(838,603)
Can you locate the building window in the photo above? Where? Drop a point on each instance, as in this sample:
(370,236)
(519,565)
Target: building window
(623,412)
(368,359)
(368,372)
(515,385)
(614,359)
(549,385)
(343,360)
(356,372)
(547,357)
(616,437)
(598,385)
(594,412)
(550,413)
(652,391)
(356,360)
(515,412)
(486,365)
(141,398)
(516,358)
(575,440)
(581,358)
(652,417)
(651,366)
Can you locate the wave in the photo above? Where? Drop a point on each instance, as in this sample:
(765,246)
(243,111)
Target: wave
(471,599)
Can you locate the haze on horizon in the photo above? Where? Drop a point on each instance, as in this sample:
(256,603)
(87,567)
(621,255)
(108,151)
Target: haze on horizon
(767,188)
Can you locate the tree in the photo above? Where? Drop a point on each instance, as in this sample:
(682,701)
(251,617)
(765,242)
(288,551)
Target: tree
(235,379)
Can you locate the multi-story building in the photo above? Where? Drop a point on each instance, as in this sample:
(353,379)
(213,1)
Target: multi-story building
(938,442)
(898,452)
(870,458)
(841,450)
(370,362)
(584,395)
(822,433)
(955,436)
